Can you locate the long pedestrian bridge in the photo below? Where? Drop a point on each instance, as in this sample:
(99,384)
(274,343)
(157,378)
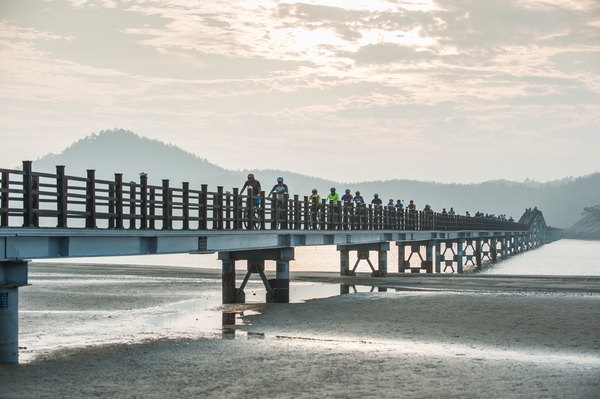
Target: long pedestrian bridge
(45,215)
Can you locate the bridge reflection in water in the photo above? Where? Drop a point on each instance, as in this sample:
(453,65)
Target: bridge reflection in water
(45,215)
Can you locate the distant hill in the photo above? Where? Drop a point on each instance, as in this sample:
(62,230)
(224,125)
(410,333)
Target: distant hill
(121,151)
(588,228)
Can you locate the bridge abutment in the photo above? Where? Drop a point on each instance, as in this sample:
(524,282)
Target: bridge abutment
(13,274)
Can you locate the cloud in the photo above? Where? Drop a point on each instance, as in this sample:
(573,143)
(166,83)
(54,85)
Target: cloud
(424,81)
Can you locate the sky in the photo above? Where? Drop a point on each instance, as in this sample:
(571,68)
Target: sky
(449,91)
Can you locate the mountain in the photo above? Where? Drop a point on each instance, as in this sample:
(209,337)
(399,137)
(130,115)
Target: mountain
(121,151)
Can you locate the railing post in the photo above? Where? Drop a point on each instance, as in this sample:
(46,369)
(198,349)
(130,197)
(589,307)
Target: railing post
(236,209)
(27,195)
(90,199)
(119,200)
(218,208)
(203,211)
(4,200)
(186,205)
(35,199)
(263,206)
(152,209)
(61,196)
(228,207)
(297,223)
(143,201)
(166,205)
(132,204)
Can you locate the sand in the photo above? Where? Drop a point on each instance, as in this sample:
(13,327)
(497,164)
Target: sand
(465,336)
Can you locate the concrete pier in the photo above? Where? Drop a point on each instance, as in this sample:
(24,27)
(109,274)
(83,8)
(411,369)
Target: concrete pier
(278,289)
(12,276)
(363,253)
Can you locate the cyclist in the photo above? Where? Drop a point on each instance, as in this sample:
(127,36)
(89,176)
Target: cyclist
(376,201)
(347,198)
(399,205)
(314,196)
(314,200)
(280,189)
(333,197)
(254,188)
(391,205)
(358,199)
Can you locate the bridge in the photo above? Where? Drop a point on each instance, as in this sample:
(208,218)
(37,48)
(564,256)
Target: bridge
(53,215)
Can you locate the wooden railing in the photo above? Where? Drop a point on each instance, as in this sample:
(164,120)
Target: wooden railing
(34,199)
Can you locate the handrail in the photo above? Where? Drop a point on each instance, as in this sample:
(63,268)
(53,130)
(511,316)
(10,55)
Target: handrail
(33,199)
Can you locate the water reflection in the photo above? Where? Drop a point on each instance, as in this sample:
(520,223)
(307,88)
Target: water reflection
(209,315)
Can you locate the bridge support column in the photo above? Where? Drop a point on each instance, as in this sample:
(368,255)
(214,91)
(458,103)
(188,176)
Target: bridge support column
(428,263)
(278,289)
(363,254)
(438,257)
(12,276)
(344,263)
(494,249)
(230,294)
(401,257)
(478,245)
(282,281)
(460,253)
(382,263)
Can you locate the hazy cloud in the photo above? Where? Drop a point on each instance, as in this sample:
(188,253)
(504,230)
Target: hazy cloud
(465,86)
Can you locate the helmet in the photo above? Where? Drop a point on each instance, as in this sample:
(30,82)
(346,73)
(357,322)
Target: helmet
(357,193)
(250,175)
(332,189)
(280,180)
(391,200)
(376,195)
(347,191)
(314,190)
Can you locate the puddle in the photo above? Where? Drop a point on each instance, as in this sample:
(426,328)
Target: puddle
(210,315)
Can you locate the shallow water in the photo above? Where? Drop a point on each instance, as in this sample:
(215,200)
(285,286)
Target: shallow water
(563,257)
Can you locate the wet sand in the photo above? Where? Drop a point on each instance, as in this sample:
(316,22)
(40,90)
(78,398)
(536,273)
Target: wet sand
(458,336)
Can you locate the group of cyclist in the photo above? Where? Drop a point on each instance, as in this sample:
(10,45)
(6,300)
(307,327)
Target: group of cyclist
(281,191)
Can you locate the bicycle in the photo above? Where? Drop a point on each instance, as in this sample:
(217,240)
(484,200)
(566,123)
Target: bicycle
(251,213)
(280,201)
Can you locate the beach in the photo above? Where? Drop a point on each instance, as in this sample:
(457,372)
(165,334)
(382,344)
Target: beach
(412,337)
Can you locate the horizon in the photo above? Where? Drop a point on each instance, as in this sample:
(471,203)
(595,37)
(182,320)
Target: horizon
(351,91)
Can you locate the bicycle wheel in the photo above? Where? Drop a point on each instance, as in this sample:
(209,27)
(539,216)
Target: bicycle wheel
(255,219)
